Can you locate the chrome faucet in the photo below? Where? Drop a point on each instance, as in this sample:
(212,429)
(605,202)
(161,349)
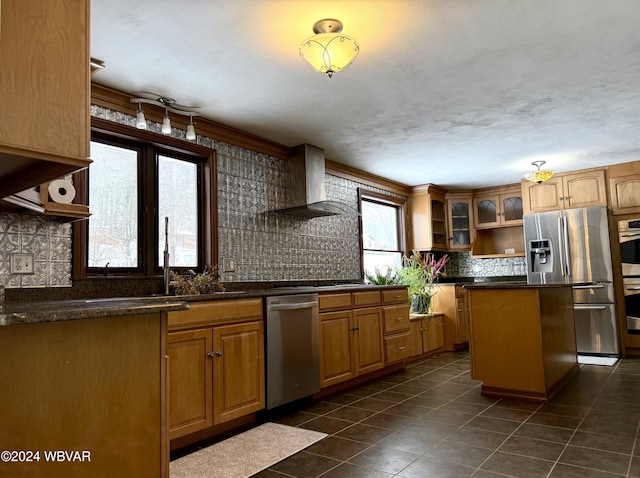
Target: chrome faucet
(165,266)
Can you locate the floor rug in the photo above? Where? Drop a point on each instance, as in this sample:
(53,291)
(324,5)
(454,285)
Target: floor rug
(245,454)
(590,360)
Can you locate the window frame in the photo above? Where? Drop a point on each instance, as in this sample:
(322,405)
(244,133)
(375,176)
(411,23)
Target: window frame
(153,145)
(385,200)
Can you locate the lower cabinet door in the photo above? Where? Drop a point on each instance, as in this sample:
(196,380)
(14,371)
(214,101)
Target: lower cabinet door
(369,348)
(432,337)
(336,348)
(190,381)
(238,370)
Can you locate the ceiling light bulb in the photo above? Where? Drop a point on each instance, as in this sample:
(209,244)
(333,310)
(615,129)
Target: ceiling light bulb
(141,122)
(329,51)
(166,124)
(191,132)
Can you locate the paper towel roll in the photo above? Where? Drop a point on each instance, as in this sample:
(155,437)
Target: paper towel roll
(62,191)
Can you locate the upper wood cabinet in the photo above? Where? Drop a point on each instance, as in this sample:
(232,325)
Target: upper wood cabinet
(565,191)
(497,207)
(460,221)
(625,194)
(624,187)
(428,223)
(44,91)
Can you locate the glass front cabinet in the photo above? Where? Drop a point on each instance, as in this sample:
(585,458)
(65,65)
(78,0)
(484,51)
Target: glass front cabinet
(498,207)
(460,221)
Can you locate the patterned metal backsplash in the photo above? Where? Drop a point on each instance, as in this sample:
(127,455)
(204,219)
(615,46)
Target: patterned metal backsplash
(264,246)
(48,240)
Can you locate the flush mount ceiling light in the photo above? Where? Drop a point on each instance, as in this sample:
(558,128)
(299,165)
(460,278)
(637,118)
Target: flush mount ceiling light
(169,105)
(329,51)
(539,175)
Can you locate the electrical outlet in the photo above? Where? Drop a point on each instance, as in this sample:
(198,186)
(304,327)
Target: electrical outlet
(22,263)
(228,265)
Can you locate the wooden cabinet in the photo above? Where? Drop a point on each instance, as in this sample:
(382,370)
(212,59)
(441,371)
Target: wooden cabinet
(496,207)
(44,91)
(191,382)
(566,191)
(351,334)
(428,223)
(216,351)
(625,194)
(451,302)
(95,384)
(395,317)
(426,332)
(460,221)
(238,370)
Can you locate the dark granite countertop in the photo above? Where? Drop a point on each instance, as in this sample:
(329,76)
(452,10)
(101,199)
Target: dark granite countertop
(29,312)
(53,311)
(512,285)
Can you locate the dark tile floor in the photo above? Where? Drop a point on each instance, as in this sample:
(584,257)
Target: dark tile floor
(431,421)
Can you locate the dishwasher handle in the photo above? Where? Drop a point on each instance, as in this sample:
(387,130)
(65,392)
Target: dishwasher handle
(295,306)
(589,307)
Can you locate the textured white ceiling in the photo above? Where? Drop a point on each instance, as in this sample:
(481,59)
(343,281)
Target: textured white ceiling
(461,93)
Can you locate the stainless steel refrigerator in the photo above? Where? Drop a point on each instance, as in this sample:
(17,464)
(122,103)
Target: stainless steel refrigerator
(572,247)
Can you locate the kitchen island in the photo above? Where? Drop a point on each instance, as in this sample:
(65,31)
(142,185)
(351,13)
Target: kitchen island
(522,339)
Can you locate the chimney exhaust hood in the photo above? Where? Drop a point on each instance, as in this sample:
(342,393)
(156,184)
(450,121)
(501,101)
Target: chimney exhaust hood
(306,194)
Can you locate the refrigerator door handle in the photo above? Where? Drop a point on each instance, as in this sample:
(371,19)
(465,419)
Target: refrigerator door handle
(561,244)
(592,286)
(565,237)
(589,307)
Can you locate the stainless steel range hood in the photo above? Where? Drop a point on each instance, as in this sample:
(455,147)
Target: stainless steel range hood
(306,185)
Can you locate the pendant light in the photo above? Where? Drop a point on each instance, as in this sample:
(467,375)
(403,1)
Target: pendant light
(166,123)
(539,175)
(191,131)
(329,51)
(141,122)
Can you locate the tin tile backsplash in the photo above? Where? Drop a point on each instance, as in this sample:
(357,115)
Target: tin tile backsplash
(263,245)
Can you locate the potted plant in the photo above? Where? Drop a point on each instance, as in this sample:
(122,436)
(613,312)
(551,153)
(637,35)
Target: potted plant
(420,273)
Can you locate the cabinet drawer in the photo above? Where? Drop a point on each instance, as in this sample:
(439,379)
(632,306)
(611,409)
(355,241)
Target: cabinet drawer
(396,318)
(366,299)
(216,312)
(395,296)
(397,347)
(330,302)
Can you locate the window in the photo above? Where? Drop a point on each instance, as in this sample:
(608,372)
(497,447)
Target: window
(131,187)
(382,231)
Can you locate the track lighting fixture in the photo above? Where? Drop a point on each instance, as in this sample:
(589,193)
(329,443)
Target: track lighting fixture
(169,105)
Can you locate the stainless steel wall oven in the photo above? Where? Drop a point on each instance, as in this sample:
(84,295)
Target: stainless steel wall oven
(629,236)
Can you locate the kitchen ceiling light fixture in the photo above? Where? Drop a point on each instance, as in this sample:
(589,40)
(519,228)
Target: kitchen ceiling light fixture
(329,51)
(539,175)
(191,131)
(169,105)
(141,122)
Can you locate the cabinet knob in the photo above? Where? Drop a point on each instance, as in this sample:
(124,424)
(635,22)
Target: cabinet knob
(219,353)
(210,354)
(399,318)
(355,328)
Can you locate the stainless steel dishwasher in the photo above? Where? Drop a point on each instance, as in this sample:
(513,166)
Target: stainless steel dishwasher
(293,359)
